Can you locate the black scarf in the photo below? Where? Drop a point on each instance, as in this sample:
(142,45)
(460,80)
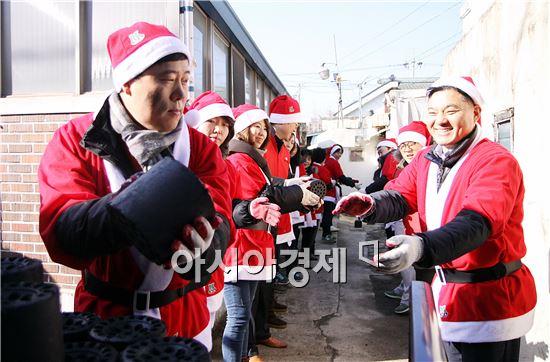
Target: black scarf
(451,157)
(238,146)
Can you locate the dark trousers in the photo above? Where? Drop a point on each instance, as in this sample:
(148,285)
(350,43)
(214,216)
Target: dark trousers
(308,238)
(282,257)
(258,328)
(326,223)
(507,351)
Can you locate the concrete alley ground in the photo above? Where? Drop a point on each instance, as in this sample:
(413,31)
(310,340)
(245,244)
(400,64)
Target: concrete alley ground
(350,321)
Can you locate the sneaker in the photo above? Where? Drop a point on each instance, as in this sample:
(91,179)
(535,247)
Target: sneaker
(272,342)
(393,295)
(281,279)
(402,309)
(334,228)
(275,322)
(279,307)
(328,239)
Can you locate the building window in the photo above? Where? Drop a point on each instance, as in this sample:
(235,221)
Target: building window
(259,92)
(103,18)
(38,47)
(220,62)
(504,128)
(249,86)
(200,49)
(60,46)
(267,99)
(356,155)
(238,78)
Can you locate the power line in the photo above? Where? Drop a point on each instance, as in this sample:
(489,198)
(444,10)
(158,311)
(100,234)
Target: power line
(435,46)
(385,30)
(402,36)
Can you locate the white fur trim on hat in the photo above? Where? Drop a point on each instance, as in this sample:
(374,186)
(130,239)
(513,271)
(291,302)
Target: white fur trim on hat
(335,149)
(463,85)
(386,143)
(278,118)
(145,56)
(411,136)
(214,110)
(248,118)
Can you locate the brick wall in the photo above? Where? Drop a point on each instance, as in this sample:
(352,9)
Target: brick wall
(22,142)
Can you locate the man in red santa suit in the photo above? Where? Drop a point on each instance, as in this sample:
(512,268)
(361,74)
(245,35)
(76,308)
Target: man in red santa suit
(468,192)
(84,169)
(332,165)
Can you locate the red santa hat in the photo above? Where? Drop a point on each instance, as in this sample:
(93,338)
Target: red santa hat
(387,142)
(135,48)
(207,106)
(246,115)
(415,131)
(465,84)
(285,109)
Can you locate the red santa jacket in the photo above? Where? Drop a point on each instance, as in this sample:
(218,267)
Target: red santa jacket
(335,170)
(278,161)
(70,174)
(489,181)
(214,287)
(389,168)
(250,255)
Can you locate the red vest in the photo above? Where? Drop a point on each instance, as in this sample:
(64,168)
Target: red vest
(248,241)
(279,165)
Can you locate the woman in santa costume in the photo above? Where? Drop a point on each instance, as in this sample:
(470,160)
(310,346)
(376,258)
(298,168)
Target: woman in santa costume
(470,213)
(213,117)
(333,166)
(83,171)
(250,257)
(387,164)
(411,139)
(314,168)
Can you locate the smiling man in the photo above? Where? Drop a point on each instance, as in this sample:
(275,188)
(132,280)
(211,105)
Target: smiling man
(85,166)
(468,192)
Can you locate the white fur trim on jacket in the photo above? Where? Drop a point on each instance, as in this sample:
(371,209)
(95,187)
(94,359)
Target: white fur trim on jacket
(285,238)
(249,272)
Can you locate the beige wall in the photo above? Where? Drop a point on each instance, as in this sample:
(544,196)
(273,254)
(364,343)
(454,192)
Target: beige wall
(507,52)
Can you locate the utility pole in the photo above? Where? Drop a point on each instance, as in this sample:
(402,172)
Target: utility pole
(413,64)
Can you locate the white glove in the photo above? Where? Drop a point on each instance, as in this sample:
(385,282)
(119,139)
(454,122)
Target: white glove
(297,181)
(197,238)
(358,186)
(309,198)
(408,250)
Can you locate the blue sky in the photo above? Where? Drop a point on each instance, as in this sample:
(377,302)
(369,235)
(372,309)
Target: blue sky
(373,41)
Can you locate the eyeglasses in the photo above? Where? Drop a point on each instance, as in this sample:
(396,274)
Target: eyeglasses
(409,145)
